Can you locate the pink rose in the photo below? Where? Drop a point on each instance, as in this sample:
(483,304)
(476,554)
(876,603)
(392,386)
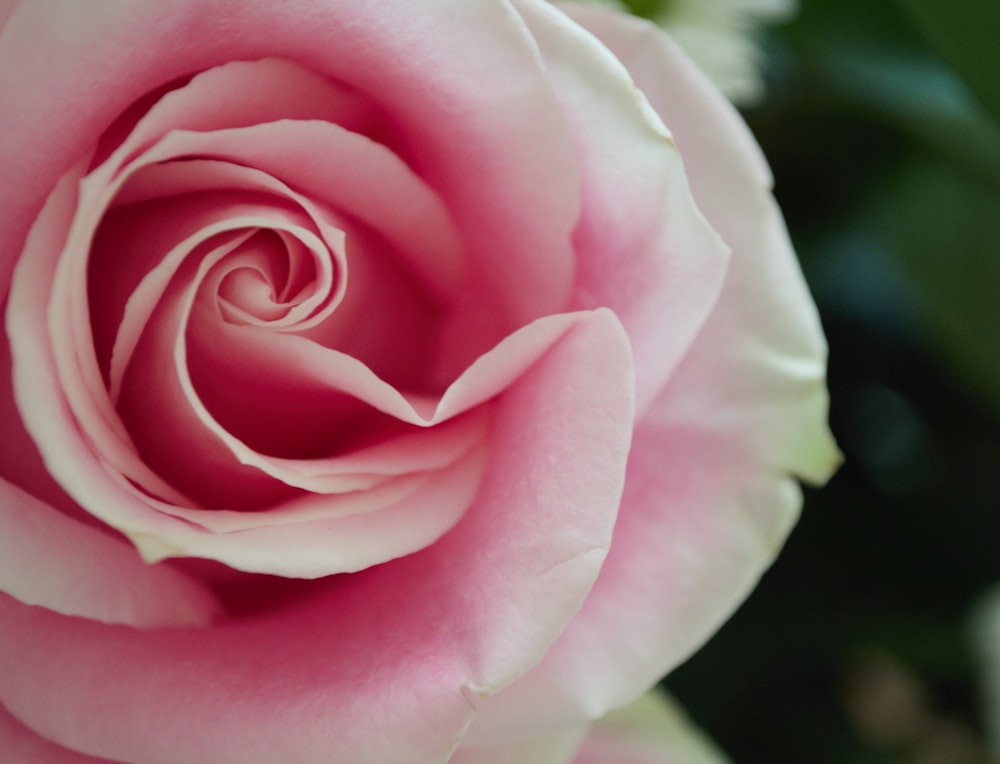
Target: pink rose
(341,339)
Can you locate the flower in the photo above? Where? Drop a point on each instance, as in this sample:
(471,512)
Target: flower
(984,635)
(719,35)
(376,380)
(652,730)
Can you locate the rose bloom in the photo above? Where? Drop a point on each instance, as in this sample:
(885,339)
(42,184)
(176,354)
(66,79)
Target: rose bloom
(380,380)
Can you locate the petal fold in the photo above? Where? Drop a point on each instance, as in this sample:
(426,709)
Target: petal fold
(53,561)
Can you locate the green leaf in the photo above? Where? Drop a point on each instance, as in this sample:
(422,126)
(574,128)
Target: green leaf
(649,9)
(944,230)
(919,96)
(967,34)
(858,23)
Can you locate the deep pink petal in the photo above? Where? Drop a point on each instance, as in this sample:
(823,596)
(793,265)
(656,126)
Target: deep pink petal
(384,665)
(350,174)
(187,234)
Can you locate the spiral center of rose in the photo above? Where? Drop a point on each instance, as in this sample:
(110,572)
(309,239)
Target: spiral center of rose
(265,281)
(219,284)
(248,316)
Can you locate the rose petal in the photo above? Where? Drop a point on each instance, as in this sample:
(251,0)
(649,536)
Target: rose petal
(412,451)
(51,560)
(318,548)
(318,154)
(22,746)
(347,536)
(448,148)
(243,94)
(116,502)
(757,370)
(403,648)
(39,388)
(488,376)
(222,228)
(709,497)
(6,8)
(299,687)
(643,248)
(19,457)
(717,520)
(347,173)
(27,325)
(333,544)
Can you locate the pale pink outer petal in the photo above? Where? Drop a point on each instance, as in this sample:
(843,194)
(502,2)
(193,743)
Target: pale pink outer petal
(385,665)
(653,730)
(22,746)
(643,248)
(709,495)
(54,561)
(757,370)
(696,528)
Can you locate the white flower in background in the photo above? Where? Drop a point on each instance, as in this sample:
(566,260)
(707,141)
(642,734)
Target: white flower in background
(985,637)
(720,35)
(651,730)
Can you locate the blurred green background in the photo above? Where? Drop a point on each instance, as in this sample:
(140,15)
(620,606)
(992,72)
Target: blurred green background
(882,126)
